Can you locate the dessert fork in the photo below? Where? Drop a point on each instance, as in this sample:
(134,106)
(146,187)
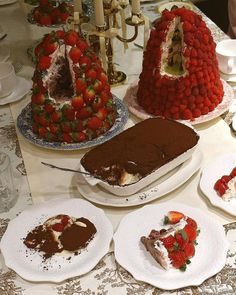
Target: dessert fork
(70,170)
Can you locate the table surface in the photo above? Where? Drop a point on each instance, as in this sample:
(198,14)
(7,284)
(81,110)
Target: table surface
(36,184)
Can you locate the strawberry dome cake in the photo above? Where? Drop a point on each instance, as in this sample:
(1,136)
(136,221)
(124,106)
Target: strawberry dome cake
(180,77)
(71,99)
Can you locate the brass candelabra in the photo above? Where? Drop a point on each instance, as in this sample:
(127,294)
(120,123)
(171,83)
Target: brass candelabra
(109,32)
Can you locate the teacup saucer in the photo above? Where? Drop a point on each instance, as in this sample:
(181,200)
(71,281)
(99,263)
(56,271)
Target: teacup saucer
(23,86)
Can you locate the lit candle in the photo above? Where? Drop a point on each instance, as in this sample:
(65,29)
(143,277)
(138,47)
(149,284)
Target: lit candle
(78,6)
(135,6)
(99,13)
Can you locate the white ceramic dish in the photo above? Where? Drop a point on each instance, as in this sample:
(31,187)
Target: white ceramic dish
(28,264)
(169,5)
(209,259)
(220,166)
(156,190)
(22,87)
(131,101)
(131,189)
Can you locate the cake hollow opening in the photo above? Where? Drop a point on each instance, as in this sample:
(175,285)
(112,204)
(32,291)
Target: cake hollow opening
(60,85)
(173,62)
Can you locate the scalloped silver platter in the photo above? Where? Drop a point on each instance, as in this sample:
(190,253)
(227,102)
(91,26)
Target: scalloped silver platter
(131,101)
(24,124)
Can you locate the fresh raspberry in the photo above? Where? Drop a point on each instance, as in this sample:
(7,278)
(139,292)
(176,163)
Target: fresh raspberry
(187,114)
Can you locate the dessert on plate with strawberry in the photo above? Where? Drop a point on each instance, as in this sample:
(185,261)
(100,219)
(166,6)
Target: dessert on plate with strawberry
(61,234)
(174,245)
(180,76)
(71,99)
(51,12)
(226,186)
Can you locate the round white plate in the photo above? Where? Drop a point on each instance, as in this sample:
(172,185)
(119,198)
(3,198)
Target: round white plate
(7,2)
(24,124)
(157,189)
(28,264)
(209,259)
(169,5)
(22,87)
(220,166)
(131,101)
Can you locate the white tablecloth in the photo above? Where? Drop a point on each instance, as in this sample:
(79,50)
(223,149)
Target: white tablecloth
(45,184)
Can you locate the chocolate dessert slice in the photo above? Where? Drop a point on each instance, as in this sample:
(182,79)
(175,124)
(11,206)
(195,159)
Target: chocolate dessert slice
(61,233)
(137,152)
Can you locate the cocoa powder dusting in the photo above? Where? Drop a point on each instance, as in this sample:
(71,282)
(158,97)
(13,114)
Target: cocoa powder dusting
(76,237)
(42,239)
(140,149)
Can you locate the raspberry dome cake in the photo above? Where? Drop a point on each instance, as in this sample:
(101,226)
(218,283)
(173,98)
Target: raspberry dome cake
(71,99)
(180,77)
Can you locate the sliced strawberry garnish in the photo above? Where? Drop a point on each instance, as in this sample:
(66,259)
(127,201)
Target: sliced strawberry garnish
(191,222)
(173,217)
(170,243)
(178,259)
(181,238)
(226,178)
(191,232)
(189,250)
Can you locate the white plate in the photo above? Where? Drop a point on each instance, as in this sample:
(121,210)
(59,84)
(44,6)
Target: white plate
(4,53)
(131,101)
(7,2)
(157,189)
(209,259)
(169,5)
(22,87)
(29,264)
(220,166)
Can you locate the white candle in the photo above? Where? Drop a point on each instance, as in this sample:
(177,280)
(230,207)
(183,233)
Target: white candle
(99,13)
(135,6)
(78,6)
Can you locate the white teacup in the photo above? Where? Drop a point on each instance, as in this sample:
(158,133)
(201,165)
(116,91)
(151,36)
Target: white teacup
(226,55)
(7,79)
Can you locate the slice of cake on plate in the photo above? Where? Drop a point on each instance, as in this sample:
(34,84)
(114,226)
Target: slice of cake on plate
(174,245)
